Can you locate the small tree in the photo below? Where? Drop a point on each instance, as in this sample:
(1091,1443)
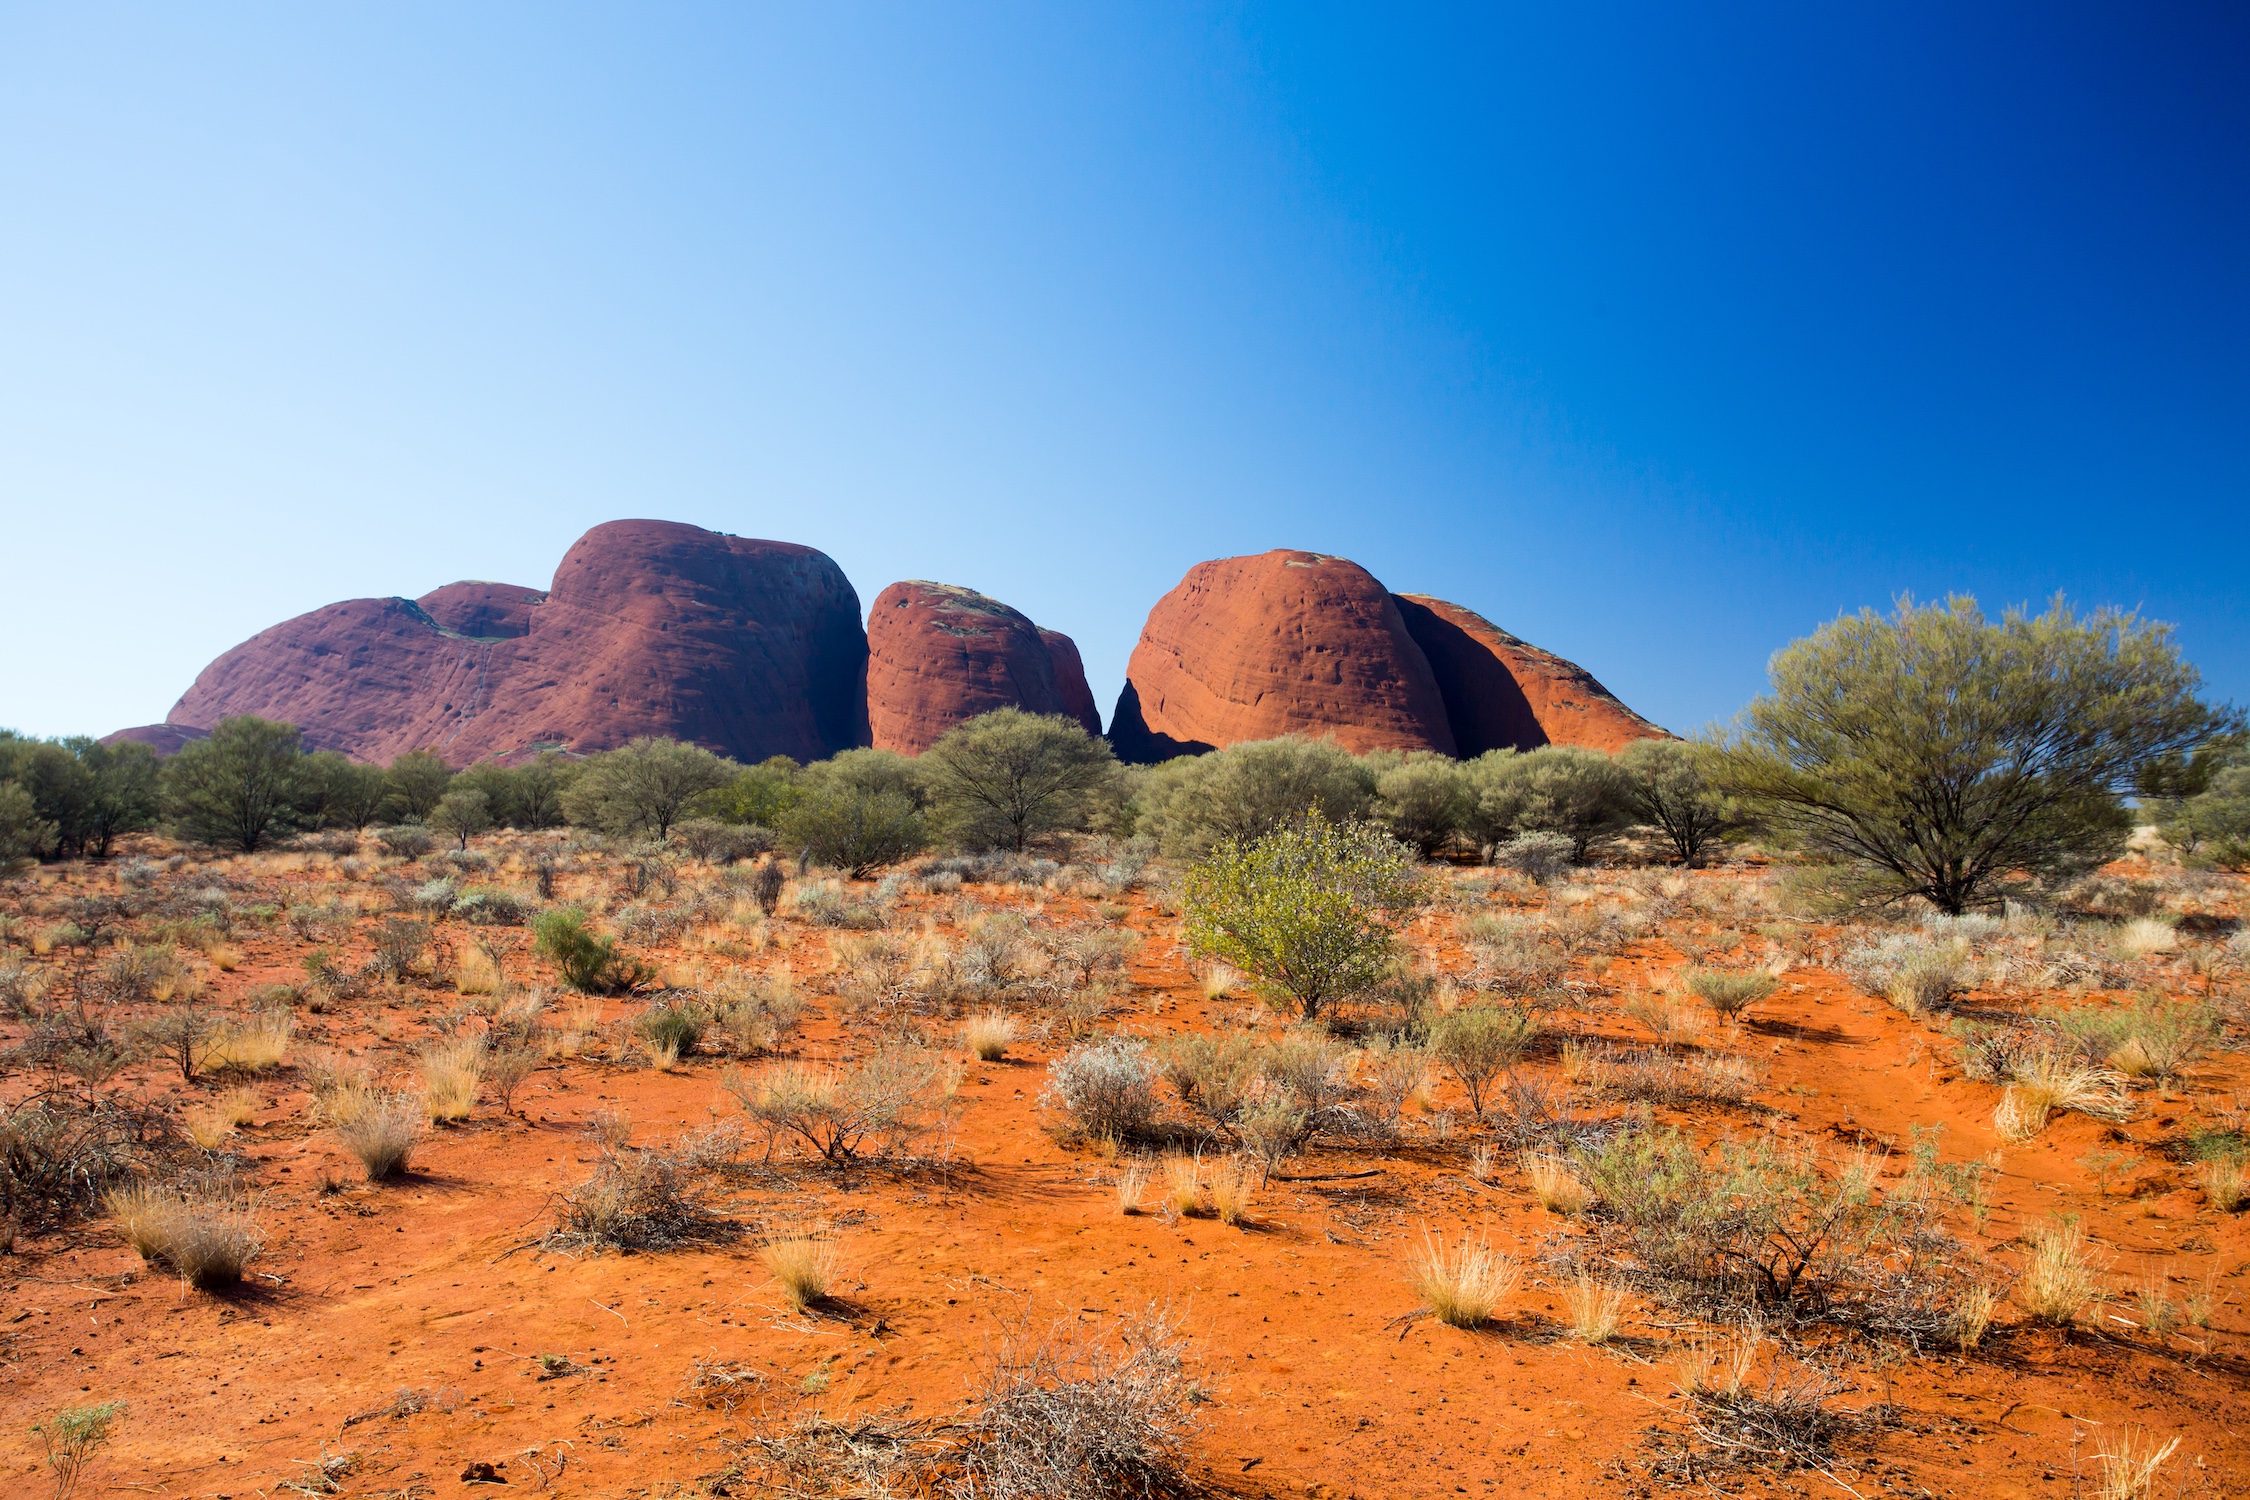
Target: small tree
(240,787)
(1938,751)
(1248,790)
(759,794)
(1581,794)
(1003,779)
(121,796)
(1666,789)
(644,787)
(853,828)
(461,814)
(1476,1042)
(416,781)
(1312,909)
(24,835)
(342,793)
(1424,800)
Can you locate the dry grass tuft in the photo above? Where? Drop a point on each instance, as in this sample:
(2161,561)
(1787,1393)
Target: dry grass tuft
(478,972)
(1596,1308)
(381,1130)
(1462,1286)
(1219,981)
(2129,1462)
(1556,1184)
(451,1070)
(804,1266)
(1972,1315)
(2225,1183)
(1233,1187)
(1183,1183)
(988,1035)
(252,1045)
(2059,1278)
(1132,1182)
(204,1236)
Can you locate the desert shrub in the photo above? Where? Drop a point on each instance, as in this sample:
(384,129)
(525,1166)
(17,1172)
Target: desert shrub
(825,903)
(1511,956)
(845,1116)
(874,969)
(1940,753)
(766,885)
(399,944)
(1762,1228)
(135,972)
(1312,909)
(672,1029)
(71,1437)
(2044,1079)
(1556,1183)
(2151,1038)
(1089,955)
(506,1068)
(646,1198)
(2225,1182)
(1462,1286)
(1580,795)
(1071,1414)
(1476,1042)
(380,1130)
(588,962)
(1394,1071)
(21,985)
(1107,1087)
(1216,1076)
(1543,857)
(1006,779)
(1914,971)
(405,840)
(180,1035)
(57,1161)
(488,906)
(716,843)
(460,815)
(756,1011)
(204,1235)
(1730,994)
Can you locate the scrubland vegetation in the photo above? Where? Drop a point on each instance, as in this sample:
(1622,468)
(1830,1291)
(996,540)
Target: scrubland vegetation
(1008,1122)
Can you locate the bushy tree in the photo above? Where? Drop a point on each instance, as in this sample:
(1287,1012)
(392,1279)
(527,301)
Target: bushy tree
(1494,799)
(1246,790)
(461,814)
(89,792)
(644,787)
(1666,789)
(2213,821)
(24,835)
(416,780)
(853,827)
(1580,794)
(241,787)
(1938,751)
(1423,798)
(758,795)
(870,771)
(525,796)
(1312,908)
(342,793)
(1007,778)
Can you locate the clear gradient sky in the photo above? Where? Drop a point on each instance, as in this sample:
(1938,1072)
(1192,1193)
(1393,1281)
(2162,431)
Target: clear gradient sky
(1658,334)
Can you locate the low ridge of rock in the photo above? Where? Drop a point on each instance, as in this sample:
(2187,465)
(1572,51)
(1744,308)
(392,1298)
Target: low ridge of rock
(1502,692)
(483,611)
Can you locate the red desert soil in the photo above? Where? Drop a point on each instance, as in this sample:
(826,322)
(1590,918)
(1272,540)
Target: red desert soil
(435,1285)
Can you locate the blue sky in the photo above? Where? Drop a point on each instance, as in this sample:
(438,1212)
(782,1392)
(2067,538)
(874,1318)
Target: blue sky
(1657,335)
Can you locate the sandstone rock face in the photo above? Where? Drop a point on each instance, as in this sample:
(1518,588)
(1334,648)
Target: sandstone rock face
(485,611)
(752,648)
(164,739)
(1502,692)
(939,654)
(1251,648)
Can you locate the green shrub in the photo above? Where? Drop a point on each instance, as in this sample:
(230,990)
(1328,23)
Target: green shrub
(644,787)
(1246,791)
(1424,799)
(1006,779)
(589,962)
(674,1027)
(1729,994)
(1476,1042)
(1312,909)
(855,828)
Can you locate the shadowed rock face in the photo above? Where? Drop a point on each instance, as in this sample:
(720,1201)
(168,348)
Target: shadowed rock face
(487,611)
(1251,648)
(752,648)
(1505,693)
(939,654)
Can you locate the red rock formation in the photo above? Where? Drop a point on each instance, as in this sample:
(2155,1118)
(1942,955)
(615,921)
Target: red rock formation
(1250,648)
(484,611)
(938,654)
(652,628)
(164,739)
(1502,692)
